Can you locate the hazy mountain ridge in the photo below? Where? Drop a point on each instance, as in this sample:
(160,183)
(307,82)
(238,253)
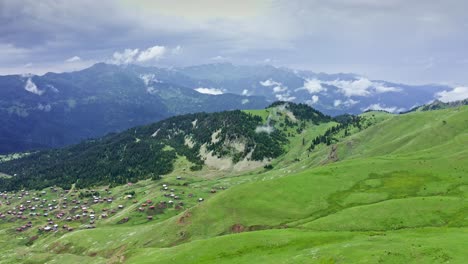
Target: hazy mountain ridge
(59,109)
(332,94)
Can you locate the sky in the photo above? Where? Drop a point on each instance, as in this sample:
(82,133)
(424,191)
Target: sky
(408,41)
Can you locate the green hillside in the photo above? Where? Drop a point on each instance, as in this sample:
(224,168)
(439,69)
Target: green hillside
(150,151)
(386,189)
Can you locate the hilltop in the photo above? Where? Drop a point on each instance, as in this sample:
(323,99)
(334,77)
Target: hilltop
(440,105)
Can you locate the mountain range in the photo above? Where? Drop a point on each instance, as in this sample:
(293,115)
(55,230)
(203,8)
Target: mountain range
(58,109)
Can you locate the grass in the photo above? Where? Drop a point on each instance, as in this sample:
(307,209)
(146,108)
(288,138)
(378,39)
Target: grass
(426,245)
(263,113)
(396,195)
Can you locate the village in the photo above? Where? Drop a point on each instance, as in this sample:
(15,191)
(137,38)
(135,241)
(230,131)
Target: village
(58,210)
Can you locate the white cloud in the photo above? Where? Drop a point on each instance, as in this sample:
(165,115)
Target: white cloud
(32,88)
(126,57)
(151,90)
(245,101)
(378,107)
(73,59)
(219,58)
(458,93)
(382,88)
(348,103)
(313,86)
(153,53)
(149,78)
(270,82)
(359,87)
(313,100)
(135,55)
(285,97)
(267,129)
(279,89)
(213,91)
(277,86)
(245,92)
(53,88)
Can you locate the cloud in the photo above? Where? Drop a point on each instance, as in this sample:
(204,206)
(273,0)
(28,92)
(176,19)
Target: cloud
(153,53)
(313,86)
(378,107)
(126,57)
(270,82)
(245,101)
(52,88)
(264,129)
(73,59)
(285,97)
(347,103)
(313,100)
(457,93)
(382,88)
(47,31)
(213,91)
(32,88)
(219,58)
(277,86)
(245,92)
(359,87)
(151,90)
(350,102)
(129,56)
(149,78)
(279,89)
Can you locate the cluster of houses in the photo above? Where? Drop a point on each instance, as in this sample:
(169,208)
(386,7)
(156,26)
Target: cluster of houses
(26,208)
(54,210)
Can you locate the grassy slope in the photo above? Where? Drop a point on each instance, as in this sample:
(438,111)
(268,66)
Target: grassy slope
(410,182)
(426,245)
(400,186)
